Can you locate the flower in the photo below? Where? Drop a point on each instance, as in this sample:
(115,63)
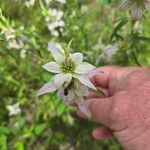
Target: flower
(108,52)
(13,44)
(137,7)
(9,33)
(74,93)
(47,2)
(66,67)
(54,21)
(29,3)
(72,76)
(13,109)
(61,1)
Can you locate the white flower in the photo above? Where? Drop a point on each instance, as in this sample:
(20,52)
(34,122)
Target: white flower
(29,3)
(23,53)
(66,68)
(108,52)
(61,1)
(13,109)
(9,33)
(137,7)
(13,44)
(72,76)
(47,2)
(71,91)
(54,20)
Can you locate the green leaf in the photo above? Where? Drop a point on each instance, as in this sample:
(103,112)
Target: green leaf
(117,28)
(39,128)
(19,146)
(4,130)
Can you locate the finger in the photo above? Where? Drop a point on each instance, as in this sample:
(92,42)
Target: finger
(99,94)
(102,80)
(100,109)
(102,133)
(81,114)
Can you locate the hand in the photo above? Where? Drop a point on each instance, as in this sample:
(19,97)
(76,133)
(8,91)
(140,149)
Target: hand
(124,109)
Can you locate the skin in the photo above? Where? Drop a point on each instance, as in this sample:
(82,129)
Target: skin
(124,109)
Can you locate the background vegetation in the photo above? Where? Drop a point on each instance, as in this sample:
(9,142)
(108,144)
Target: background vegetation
(45,123)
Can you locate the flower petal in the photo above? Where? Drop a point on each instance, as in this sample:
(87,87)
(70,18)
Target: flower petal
(84,68)
(84,80)
(77,58)
(67,99)
(67,77)
(126,4)
(56,53)
(58,80)
(47,88)
(84,106)
(137,11)
(52,67)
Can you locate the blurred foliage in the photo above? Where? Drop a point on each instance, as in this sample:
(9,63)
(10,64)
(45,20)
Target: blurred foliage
(45,123)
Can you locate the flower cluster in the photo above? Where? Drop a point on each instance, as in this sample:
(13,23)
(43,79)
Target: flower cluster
(54,21)
(9,34)
(72,76)
(30,3)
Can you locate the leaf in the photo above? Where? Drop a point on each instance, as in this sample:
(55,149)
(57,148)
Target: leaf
(141,38)
(39,128)
(134,59)
(19,146)
(117,28)
(4,130)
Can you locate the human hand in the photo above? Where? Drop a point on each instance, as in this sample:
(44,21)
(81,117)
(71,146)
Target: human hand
(124,109)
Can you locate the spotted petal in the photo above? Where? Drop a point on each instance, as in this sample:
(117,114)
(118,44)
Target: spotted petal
(47,88)
(126,4)
(84,80)
(84,106)
(137,11)
(57,54)
(84,68)
(52,67)
(77,58)
(58,80)
(67,99)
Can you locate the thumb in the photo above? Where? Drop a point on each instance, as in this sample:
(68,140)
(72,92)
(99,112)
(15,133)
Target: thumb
(101,109)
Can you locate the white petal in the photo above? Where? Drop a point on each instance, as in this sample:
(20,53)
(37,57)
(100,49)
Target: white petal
(47,88)
(84,80)
(58,80)
(137,11)
(84,106)
(77,58)
(56,53)
(67,99)
(126,4)
(52,67)
(82,91)
(67,77)
(84,68)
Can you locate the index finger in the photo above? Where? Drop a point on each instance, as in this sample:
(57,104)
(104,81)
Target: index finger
(102,80)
